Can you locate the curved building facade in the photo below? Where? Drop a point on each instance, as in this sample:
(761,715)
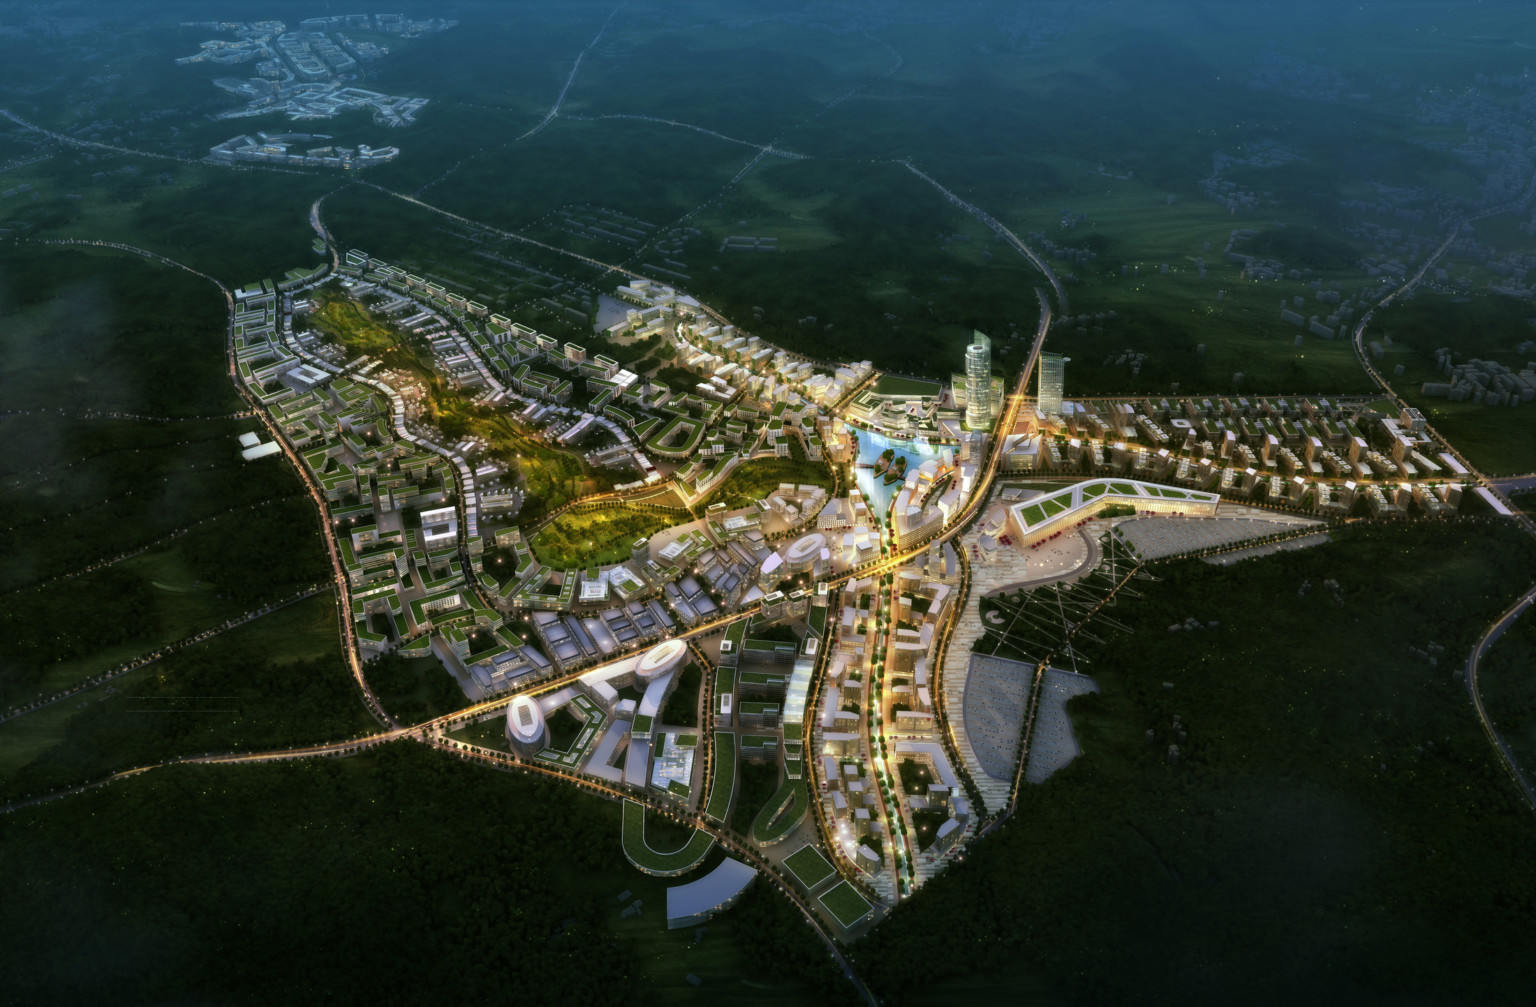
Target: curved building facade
(660,659)
(526,732)
(804,551)
(978,383)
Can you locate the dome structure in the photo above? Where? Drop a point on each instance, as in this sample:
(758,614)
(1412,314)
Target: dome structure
(660,659)
(525,725)
(804,550)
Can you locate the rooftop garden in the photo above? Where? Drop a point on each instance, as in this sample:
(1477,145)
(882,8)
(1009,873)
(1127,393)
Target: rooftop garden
(809,867)
(663,863)
(782,813)
(723,785)
(845,904)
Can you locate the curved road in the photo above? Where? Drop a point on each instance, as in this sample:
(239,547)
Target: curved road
(1495,487)
(1489,637)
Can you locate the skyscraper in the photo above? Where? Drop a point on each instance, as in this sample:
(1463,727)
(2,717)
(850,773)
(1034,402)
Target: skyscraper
(1052,374)
(978,383)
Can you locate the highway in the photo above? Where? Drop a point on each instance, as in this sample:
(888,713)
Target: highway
(1498,488)
(1474,660)
(554,109)
(1002,232)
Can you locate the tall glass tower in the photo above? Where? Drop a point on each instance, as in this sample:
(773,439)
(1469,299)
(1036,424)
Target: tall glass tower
(1052,375)
(978,383)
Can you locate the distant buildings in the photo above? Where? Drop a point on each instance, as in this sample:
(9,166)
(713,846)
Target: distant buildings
(282,148)
(305,73)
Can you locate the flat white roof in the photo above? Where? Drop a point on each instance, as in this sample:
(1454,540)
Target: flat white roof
(710,892)
(261,451)
(1494,502)
(1454,465)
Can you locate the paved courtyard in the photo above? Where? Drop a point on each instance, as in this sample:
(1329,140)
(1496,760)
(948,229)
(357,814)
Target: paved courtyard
(1067,558)
(995,691)
(1052,743)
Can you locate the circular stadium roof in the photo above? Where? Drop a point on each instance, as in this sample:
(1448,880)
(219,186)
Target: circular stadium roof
(660,659)
(806,547)
(525,721)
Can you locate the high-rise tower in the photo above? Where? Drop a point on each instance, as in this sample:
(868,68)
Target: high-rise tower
(978,383)
(1052,375)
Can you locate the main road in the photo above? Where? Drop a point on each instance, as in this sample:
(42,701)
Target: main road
(1474,661)
(1495,487)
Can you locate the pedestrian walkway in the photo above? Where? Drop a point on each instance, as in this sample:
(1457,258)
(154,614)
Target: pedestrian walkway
(1068,558)
(1268,549)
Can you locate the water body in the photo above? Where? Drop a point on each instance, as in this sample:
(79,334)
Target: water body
(871,446)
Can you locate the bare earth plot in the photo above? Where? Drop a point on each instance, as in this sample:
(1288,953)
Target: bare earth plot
(1052,743)
(1158,537)
(995,690)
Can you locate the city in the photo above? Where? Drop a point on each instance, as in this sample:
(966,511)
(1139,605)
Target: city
(829,628)
(772,503)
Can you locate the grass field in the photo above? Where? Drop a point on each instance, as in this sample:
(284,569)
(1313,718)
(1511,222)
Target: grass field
(760,478)
(1486,327)
(893,384)
(581,538)
(551,477)
(490,734)
(350,324)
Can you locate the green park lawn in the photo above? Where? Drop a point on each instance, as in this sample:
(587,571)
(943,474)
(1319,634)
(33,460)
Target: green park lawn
(759,478)
(582,537)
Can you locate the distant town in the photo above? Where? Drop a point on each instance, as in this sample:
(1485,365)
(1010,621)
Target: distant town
(306,74)
(294,149)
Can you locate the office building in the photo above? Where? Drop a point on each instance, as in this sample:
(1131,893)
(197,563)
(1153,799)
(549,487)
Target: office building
(1052,374)
(978,383)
